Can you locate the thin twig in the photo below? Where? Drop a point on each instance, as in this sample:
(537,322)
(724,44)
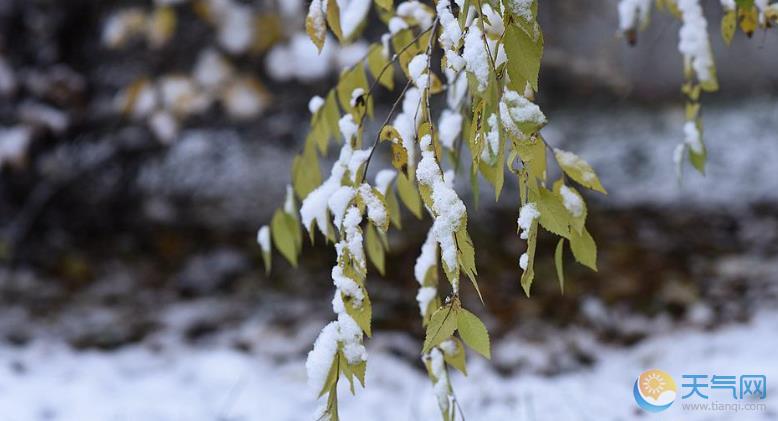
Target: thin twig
(429,76)
(391,62)
(386,121)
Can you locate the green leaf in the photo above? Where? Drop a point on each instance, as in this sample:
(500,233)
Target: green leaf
(466,255)
(284,236)
(473,332)
(553,214)
(384,4)
(361,315)
(524,48)
(332,116)
(559,263)
(441,326)
(349,81)
(375,250)
(394,208)
(333,19)
(408,194)
(319,133)
(584,248)
(377,62)
(533,156)
(306,175)
(579,170)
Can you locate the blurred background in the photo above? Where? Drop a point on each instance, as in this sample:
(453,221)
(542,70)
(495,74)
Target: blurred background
(143,143)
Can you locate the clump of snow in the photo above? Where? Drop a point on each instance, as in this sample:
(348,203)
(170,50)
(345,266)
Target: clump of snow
(263,238)
(348,127)
(451,33)
(572,201)
(632,13)
(352,238)
(692,137)
(516,110)
(571,160)
(476,57)
(321,357)
(396,25)
(417,12)
(493,23)
(523,261)
(376,211)
(427,259)
(346,286)
(447,207)
(449,128)
(693,43)
(440,386)
(314,206)
(728,4)
(358,158)
(352,14)
(417,69)
(350,334)
(355,95)
(315,104)
(527,214)
(338,202)
(383,179)
(449,348)
(424,297)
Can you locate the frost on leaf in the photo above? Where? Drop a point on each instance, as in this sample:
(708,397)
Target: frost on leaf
(316,24)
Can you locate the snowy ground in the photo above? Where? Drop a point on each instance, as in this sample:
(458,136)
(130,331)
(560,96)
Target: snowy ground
(49,381)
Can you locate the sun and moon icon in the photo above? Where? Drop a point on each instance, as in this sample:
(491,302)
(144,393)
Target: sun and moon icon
(655,390)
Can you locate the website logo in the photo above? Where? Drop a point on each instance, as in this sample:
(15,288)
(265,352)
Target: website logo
(655,390)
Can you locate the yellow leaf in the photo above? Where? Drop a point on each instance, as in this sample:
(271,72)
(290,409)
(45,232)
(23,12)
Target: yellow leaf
(728,26)
(315,24)
(162,24)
